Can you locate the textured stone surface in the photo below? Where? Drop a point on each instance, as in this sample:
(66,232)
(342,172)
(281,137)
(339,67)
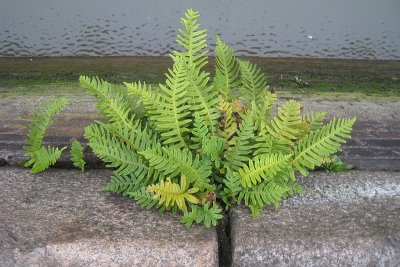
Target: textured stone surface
(58,218)
(345,219)
(375,143)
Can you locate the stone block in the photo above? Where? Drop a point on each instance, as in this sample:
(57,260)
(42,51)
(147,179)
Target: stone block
(58,218)
(344,219)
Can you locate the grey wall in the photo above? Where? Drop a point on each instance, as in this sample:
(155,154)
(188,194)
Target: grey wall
(340,28)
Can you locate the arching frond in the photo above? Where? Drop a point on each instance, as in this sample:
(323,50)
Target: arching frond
(111,100)
(42,118)
(226,71)
(312,148)
(115,152)
(199,131)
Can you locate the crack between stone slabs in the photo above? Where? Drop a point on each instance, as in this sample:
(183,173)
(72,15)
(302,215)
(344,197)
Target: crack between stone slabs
(224,241)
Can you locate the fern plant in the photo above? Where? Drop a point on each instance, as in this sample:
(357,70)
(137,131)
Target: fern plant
(201,144)
(40,157)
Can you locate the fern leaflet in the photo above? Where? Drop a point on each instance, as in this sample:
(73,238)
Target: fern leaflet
(42,118)
(193,40)
(226,70)
(43,158)
(312,148)
(262,168)
(77,155)
(206,214)
(253,80)
(169,193)
(173,120)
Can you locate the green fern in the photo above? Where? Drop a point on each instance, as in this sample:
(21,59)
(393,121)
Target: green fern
(77,155)
(197,144)
(288,123)
(173,119)
(253,81)
(41,158)
(175,161)
(192,40)
(314,147)
(240,147)
(262,168)
(169,193)
(42,118)
(206,214)
(44,158)
(226,71)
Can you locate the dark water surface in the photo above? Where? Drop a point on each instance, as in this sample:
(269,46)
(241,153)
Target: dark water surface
(310,28)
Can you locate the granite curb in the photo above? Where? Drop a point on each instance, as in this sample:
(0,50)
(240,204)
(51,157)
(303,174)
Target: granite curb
(343,219)
(58,218)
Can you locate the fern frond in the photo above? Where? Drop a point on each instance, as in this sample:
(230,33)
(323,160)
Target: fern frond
(262,168)
(288,123)
(203,98)
(206,214)
(193,40)
(199,131)
(226,71)
(44,158)
(240,147)
(169,193)
(150,99)
(174,161)
(262,111)
(111,100)
(77,155)
(125,184)
(315,120)
(42,118)
(143,198)
(253,81)
(315,146)
(267,193)
(115,152)
(267,144)
(228,125)
(173,119)
(214,147)
(232,188)
(138,138)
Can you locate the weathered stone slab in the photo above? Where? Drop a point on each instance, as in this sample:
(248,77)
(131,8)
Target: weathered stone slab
(58,218)
(345,219)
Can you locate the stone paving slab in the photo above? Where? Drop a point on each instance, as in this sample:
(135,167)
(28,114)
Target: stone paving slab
(375,143)
(58,218)
(344,219)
